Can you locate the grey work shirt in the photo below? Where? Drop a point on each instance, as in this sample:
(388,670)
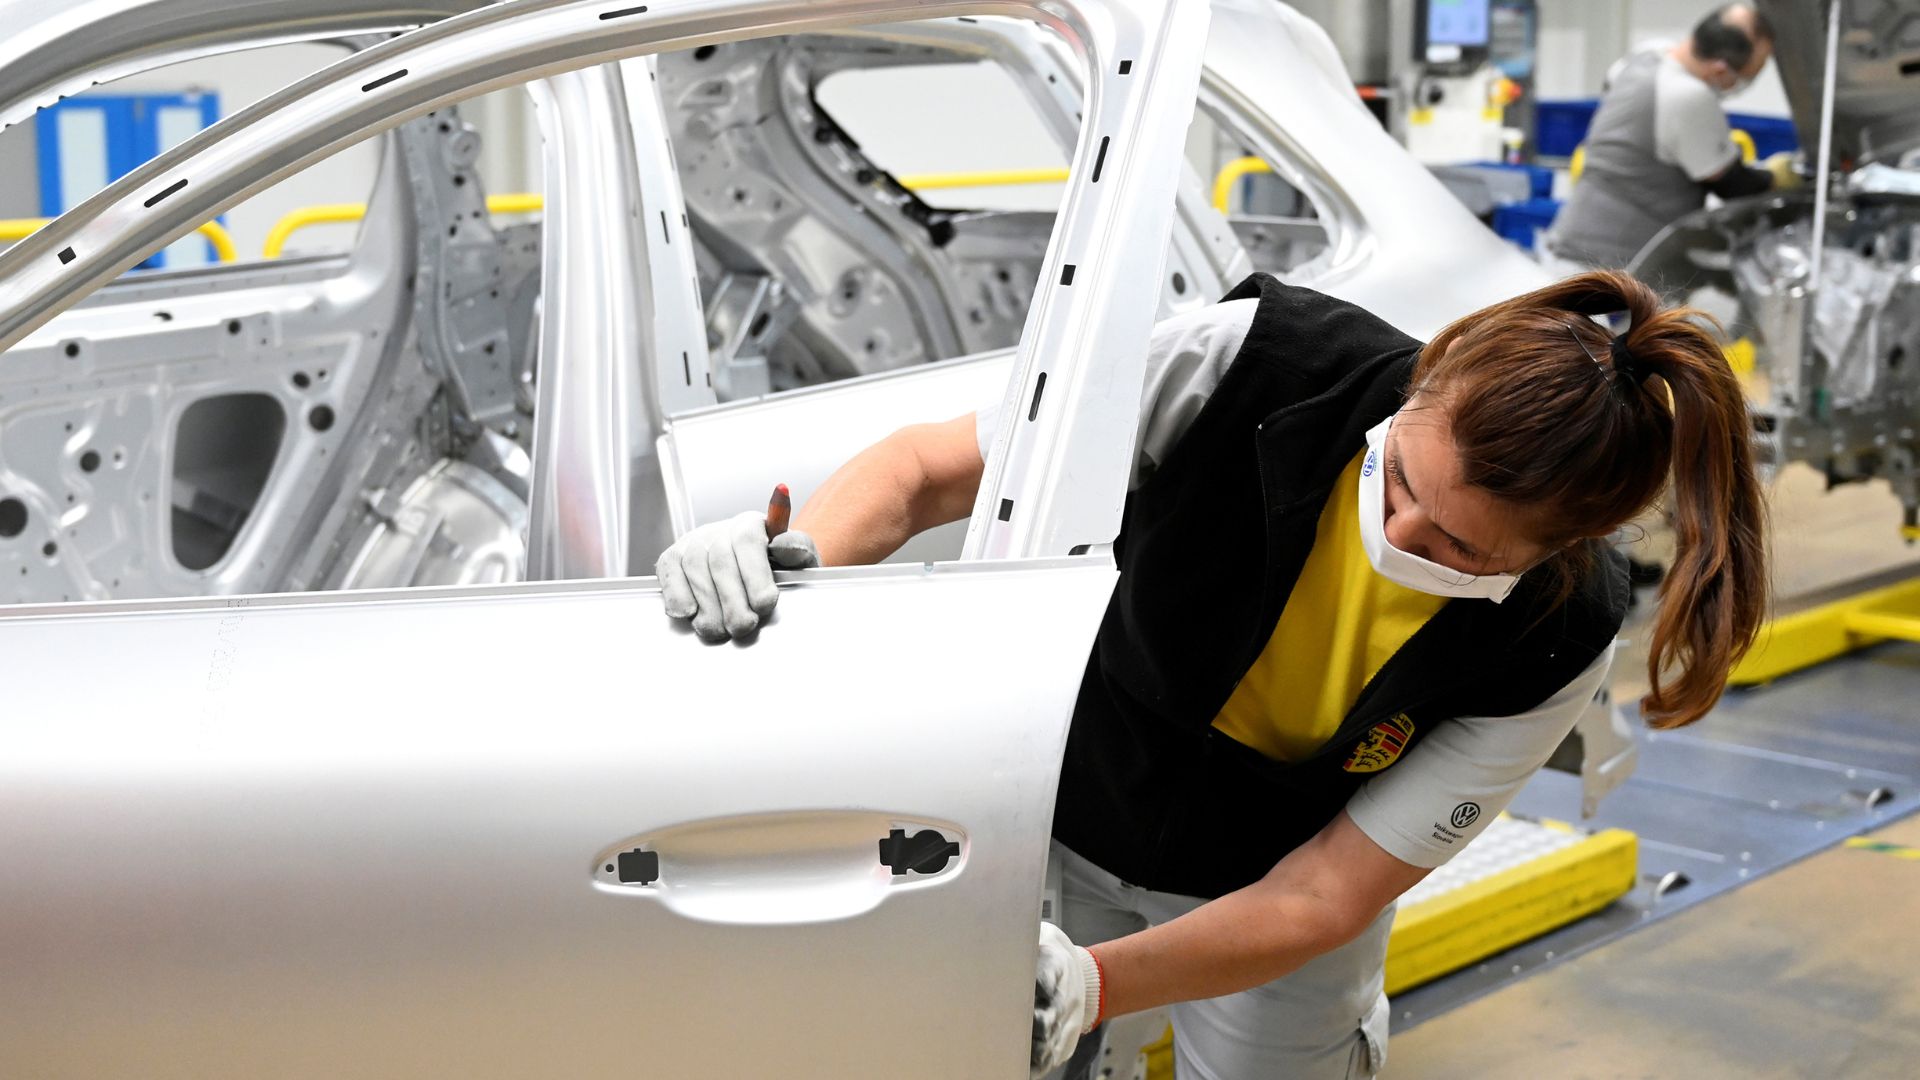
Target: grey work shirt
(1658,136)
(1406,809)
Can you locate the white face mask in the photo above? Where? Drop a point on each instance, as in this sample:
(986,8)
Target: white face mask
(1398,566)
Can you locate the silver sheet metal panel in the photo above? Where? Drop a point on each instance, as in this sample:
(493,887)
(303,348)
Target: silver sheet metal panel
(324,836)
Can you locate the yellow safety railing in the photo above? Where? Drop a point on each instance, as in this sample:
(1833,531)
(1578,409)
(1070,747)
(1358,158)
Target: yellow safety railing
(1801,639)
(999,178)
(1230,174)
(1748,155)
(522,203)
(328,214)
(1222,184)
(337,213)
(515,203)
(216,234)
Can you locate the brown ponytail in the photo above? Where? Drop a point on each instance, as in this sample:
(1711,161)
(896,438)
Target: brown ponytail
(1582,429)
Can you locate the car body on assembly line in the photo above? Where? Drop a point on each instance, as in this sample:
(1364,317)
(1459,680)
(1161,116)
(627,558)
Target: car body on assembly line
(273,843)
(508,828)
(212,392)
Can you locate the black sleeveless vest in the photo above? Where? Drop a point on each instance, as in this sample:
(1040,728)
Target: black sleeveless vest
(1209,549)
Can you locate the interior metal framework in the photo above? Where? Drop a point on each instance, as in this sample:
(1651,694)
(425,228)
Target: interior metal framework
(294,127)
(139,468)
(816,262)
(735,311)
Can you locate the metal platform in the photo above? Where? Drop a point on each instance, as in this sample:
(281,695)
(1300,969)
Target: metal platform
(1775,774)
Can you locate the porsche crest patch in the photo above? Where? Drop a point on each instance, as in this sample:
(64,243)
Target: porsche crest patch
(1382,745)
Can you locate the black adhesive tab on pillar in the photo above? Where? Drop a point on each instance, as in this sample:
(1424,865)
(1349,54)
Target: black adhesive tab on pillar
(67,256)
(383,80)
(623,13)
(1039,387)
(175,186)
(1006,509)
(1100,159)
(1066,274)
(1126,67)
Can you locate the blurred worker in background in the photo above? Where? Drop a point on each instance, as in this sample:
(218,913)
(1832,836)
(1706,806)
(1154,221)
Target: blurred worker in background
(1659,142)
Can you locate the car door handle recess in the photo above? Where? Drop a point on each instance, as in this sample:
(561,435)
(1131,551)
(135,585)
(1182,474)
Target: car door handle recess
(782,867)
(924,852)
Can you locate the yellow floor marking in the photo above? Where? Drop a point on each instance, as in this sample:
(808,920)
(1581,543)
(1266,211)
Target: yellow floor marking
(1881,847)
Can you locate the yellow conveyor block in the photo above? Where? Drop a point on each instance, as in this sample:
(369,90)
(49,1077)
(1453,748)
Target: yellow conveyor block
(1516,882)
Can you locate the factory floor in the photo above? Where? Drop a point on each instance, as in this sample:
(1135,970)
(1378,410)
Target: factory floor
(1812,971)
(1808,969)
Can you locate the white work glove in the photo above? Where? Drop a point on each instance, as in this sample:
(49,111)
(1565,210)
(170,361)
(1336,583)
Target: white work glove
(1067,999)
(721,574)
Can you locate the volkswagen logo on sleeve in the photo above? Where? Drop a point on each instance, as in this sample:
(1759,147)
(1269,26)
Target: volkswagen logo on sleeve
(1465,814)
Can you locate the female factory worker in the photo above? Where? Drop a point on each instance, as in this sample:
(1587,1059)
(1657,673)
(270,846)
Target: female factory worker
(1362,598)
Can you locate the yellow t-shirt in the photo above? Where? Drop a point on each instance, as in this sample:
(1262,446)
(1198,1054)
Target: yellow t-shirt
(1342,623)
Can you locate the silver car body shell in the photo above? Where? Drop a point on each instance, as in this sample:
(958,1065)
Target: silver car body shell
(1304,116)
(1404,248)
(235,858)
(1383,212)
(55,50)
(229,700)
(1400,242)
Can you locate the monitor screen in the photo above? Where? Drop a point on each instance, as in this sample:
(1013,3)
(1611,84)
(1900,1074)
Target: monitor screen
(1457,22)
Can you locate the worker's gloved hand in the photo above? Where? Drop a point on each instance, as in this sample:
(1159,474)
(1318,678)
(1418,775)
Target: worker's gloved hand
(721,574)
(1785,178)
(1068,999)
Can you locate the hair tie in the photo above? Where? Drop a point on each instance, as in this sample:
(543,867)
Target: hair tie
(1624,363)
(1623,360)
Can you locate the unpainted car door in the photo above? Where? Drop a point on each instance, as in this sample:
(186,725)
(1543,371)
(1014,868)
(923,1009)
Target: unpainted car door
(332,834)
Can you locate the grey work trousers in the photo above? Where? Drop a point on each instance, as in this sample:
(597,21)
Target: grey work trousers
(1325,1021)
